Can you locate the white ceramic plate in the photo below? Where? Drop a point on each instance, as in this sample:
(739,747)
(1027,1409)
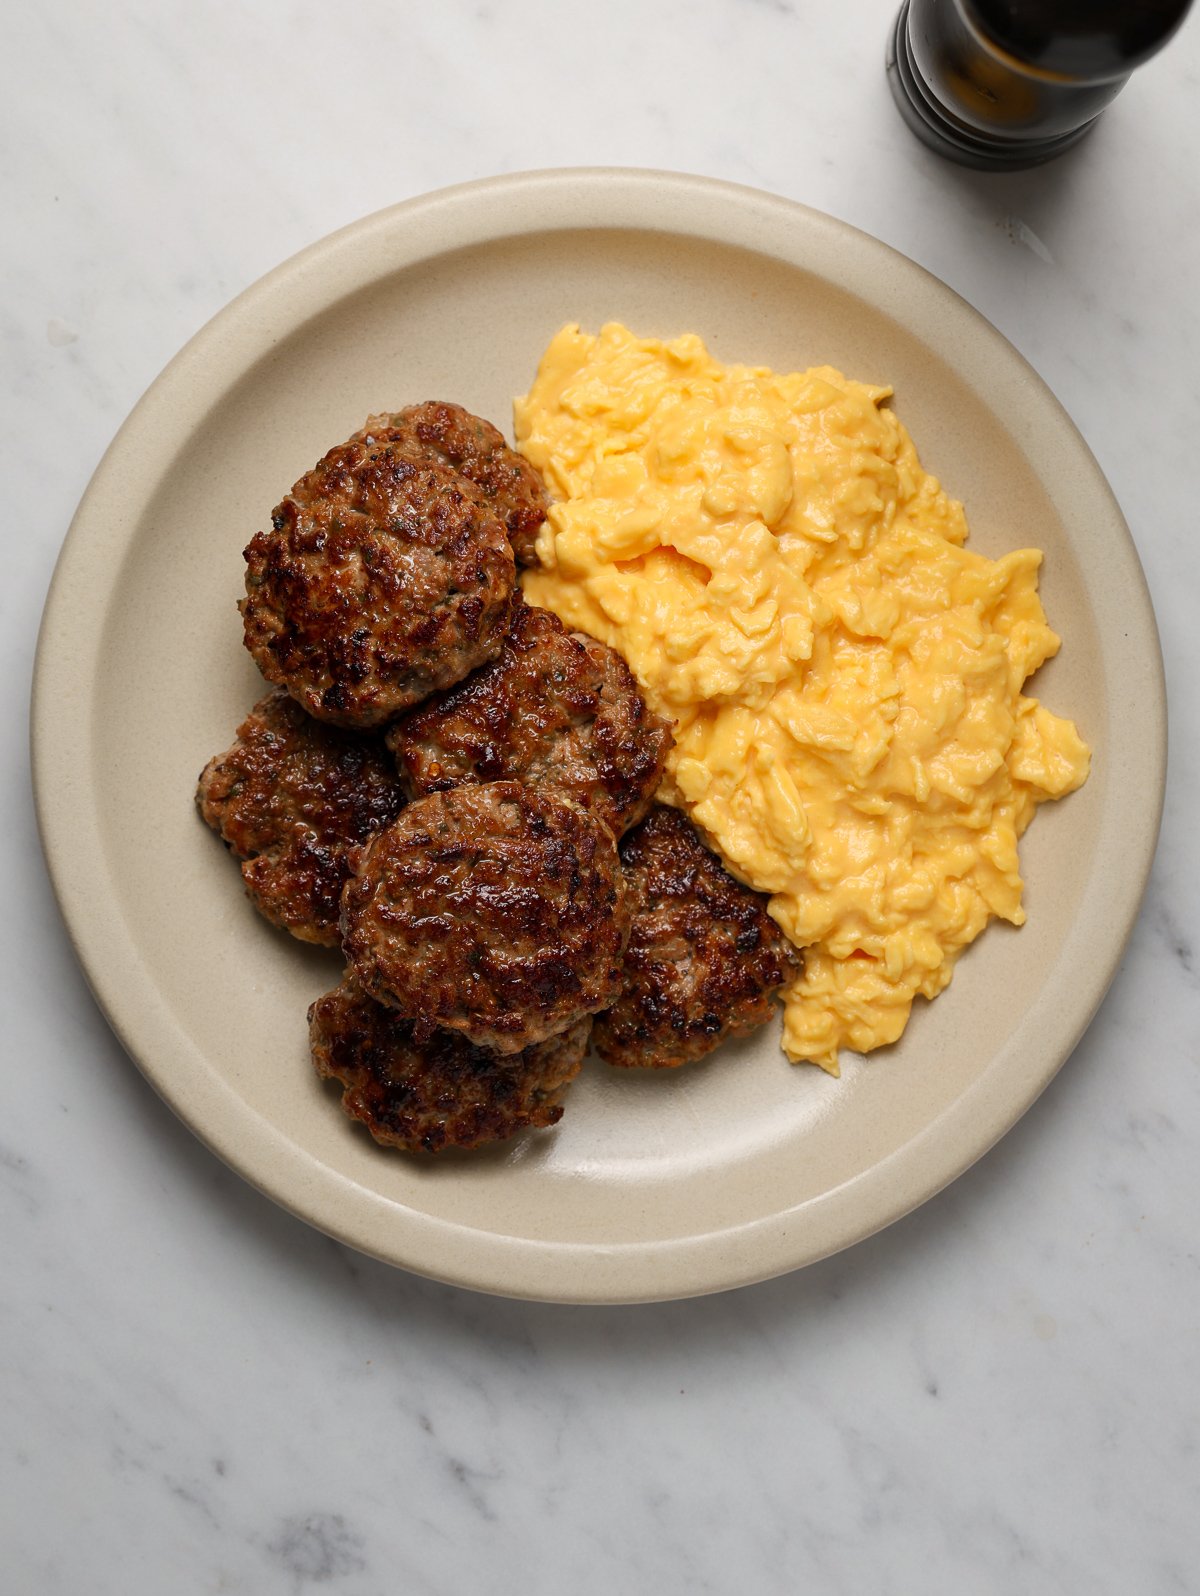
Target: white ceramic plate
(733,1170)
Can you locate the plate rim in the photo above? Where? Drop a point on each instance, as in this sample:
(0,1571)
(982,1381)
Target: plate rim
(325,272)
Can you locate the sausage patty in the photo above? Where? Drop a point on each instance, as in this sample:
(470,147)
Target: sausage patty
(496,910)
(439,1092)
(476,449)
(555,707)
(704,955)
(385,576)
(294,800)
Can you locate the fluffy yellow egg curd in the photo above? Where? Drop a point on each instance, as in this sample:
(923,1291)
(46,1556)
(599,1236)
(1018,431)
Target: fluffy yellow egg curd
(791,587)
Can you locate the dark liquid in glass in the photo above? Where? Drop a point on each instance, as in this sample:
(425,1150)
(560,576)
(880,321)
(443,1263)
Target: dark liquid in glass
(1009,83)
(1079,38)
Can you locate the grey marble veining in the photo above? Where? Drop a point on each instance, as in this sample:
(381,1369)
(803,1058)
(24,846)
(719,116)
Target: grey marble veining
(999,1394)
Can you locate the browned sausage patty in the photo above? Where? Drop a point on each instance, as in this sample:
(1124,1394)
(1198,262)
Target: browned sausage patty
(496,910)
(294,800)
(704,956)
(385,576)
(556,707)
(440,1092)
(476,449)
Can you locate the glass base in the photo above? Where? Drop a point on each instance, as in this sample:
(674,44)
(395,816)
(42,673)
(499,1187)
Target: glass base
(935,129)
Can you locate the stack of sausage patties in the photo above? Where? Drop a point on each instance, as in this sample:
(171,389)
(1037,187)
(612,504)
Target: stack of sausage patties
(457,792)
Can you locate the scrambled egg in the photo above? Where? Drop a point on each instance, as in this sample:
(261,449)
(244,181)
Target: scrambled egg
(790,586)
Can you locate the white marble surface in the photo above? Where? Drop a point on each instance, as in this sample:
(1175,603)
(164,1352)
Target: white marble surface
(999,1394)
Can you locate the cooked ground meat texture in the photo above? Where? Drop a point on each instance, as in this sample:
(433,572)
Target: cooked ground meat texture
(294,800)
(704,956)
(385,576)
(496,910)
(555,707)
(476,449)
(440,1092)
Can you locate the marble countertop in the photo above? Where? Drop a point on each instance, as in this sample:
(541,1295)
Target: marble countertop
(1000,1393)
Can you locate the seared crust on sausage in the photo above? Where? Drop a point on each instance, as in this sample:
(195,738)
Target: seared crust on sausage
(555,707)
(385,576)
(294,800)
(439,1092)
(478,451)
(704,956)
(498,911)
